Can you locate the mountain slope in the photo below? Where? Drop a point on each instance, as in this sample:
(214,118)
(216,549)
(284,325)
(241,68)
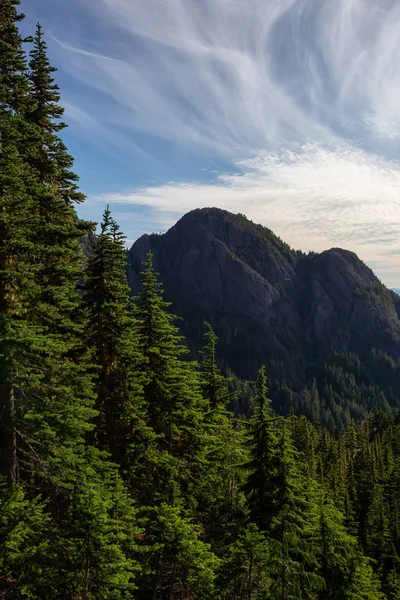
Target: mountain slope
(322,317)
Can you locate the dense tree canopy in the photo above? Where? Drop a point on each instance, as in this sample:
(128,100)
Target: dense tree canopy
(122,472)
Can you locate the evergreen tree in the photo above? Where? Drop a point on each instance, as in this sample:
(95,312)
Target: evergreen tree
(168,478)
(220,504)
(295,569)
(245,573)
(111,333)
(172,398)
(52,161)
(50,371)
(214,385)
(17,224)
(177,563)
(98,556)
(28,567)
(262,445)
(345,571)
(13,81)
(46,391)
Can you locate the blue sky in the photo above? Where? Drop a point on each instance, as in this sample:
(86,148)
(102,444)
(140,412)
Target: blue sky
(285,110)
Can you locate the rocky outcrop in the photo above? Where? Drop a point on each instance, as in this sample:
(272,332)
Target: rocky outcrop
(221,266)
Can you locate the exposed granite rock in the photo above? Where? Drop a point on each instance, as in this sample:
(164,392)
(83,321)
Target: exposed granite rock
(223,266)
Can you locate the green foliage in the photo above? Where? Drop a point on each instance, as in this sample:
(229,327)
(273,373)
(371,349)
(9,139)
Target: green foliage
(220,500)
(46,391)
(172,397)
(110,332)
(27,549)
(178,563)
(98,552)
(13,81)
(345,571)
(245,573)
(262,466)
(51,161)
(123,474)
(295,562)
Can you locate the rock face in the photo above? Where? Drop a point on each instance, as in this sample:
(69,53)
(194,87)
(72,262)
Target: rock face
(223,266)
(324,326)
(348,306)
(211,260)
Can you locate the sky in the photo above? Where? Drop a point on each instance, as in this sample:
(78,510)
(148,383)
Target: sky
(285,110)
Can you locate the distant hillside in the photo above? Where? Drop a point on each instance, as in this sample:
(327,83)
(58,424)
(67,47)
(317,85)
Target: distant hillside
(397,290)
(326,328)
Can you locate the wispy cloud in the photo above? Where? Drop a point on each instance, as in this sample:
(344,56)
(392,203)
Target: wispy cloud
(315,197)
(236,75)
(302,96)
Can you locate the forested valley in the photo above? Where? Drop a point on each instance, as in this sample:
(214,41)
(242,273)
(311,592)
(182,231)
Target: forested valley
(122,472)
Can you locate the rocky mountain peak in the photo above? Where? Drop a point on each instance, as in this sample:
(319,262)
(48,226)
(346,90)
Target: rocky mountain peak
(267,302)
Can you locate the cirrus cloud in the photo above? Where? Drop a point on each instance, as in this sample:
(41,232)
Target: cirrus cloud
(301,96)
(314,197)
(236,75)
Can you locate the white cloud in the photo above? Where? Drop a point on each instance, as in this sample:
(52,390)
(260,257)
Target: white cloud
(289,91)
(314,197)
(239,75)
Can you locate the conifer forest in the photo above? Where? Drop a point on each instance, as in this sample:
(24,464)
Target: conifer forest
(123,473)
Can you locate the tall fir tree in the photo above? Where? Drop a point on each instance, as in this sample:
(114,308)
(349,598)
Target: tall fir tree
(173,401)
(17,228)
(52,161)
(262,444)
(46,392)
(42,317)
(169,477)
(111,332)
(295,562)
(221,501)
(346,573)
(13,82)
(245,574)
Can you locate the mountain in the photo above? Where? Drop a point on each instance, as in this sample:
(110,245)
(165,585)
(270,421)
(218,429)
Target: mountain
(396,290)
(326,328)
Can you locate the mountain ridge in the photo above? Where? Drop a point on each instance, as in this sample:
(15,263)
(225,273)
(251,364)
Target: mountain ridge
(272,304)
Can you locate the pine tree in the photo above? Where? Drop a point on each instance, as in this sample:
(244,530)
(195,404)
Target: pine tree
(345,571)
(17,228)
(54,403)
(378,535)
(96,517)
(305,439)
(46,393)
(220,498)
(262,445)
(97,551)
(365,470)
(214,385)
(111,333)
(172,398)
(13,81)
(28,566)
(295,571)
(176,562)
(351,502)
(52,160)
(169,476)
(245,572)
